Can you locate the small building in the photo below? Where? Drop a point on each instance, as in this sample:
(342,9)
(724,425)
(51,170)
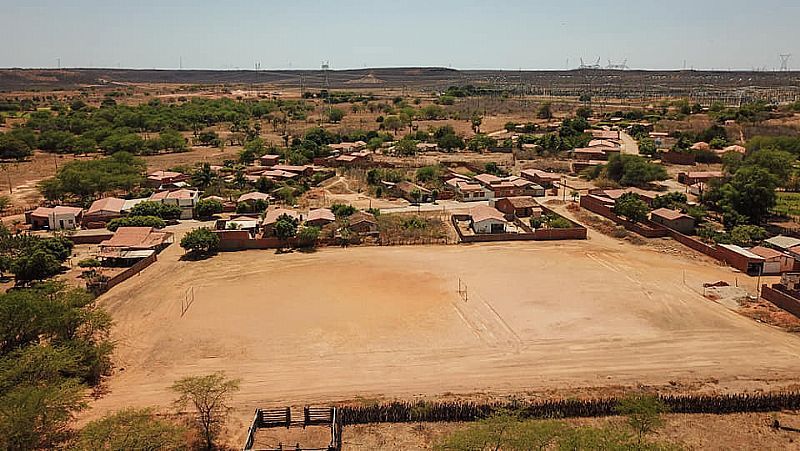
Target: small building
(466,190)
(405,189)
(104,210)
(541,178)
(485,219)
(158,179)
(130,244)
(183,198)
(271,217)
(427,147)
(589,154)
(304,171)
(704,177)
(775,262)
(253,197)
(521,207)
(54,218)
(603,134)
(320,217)
(647,196)
(269,160)
(782,243)
(673,219)
(363,223)
(741,259)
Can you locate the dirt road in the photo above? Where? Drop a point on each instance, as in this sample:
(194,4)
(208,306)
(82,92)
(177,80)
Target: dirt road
(377,321)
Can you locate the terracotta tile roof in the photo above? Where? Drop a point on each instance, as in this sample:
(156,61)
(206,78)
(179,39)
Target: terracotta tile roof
(484,212)
(669,214)
(321,214)
(179,194)
(255,195)
(766,252)
(361,216)
(107,204)
(541,174)
(271,216)
(522,202)
(136,238)
(161,175)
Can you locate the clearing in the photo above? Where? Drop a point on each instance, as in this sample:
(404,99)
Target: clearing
(383,322)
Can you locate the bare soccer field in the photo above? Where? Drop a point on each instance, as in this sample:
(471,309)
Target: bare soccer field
(371,322)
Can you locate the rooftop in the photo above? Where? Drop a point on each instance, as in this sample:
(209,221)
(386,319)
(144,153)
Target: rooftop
(483,212)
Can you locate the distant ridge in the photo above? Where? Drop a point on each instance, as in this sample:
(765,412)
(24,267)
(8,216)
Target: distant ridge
(419,77)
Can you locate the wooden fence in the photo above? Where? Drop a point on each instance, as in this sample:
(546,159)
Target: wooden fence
(101,287)
(282,418)
(406,412)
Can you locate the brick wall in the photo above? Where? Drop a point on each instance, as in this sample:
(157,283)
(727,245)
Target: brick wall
(783,300)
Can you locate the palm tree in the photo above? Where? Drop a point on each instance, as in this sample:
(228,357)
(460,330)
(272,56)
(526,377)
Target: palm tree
(204,176)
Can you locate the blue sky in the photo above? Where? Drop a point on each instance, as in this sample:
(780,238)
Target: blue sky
(466,34)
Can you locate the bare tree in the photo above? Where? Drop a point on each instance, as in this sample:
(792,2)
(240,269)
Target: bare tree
(209,395)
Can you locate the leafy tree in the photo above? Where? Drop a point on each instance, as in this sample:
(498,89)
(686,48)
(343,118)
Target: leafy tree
(392,123)
(286,227)
(558,223)
(750,193)
(647,147)
(201,241)
(88,178)
(406,147)
(545,111)
(481,142)
(494,169)
(206,208)
(747,235)
(670,200)
(203,176)
(428,173)
(158,209)
(136,221)
(173,141)
(584,112)
(307,237)
(630,170)
(630,206)
(450,141)
(131,429)
(343,210)
(209,396)
(778,162)
(12,148)
(335,115)
(643,413)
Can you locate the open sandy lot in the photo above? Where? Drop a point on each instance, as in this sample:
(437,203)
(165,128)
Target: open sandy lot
(371,322)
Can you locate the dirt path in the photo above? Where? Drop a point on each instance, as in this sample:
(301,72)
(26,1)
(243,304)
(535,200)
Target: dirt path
(629,145)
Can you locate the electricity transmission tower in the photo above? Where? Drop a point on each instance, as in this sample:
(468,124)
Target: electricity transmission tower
(785,61)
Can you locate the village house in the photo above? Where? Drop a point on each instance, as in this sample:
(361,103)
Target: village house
(485,219)
(269,160)
(130,244)
(363,223)
(466,190)
(407,190)
(703,177)
(183,198)
(511,186)
(427,147)
(272,215)
(245,222)
(647,196)
(54,218)
(304,171)
(164,179)
(589,154)
(775,262)
(103,210)
(741,259)
(673,219)
(253,197)
(521,207)
(783,243)
(541,178)
(347,147)
(320,217)
(611,135)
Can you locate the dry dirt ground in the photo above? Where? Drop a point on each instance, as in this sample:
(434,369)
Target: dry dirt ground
(694,432)
(376,322)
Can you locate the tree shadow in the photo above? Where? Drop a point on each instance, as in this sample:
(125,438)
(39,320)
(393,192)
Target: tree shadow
(197,256)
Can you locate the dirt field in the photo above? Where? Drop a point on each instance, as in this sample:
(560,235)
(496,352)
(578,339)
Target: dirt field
(695,432)
(383,322)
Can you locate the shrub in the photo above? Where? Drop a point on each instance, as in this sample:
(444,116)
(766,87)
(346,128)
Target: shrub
(89,263)
(307,237)
(200,241)
(342,210)
(206,208)
(136,221)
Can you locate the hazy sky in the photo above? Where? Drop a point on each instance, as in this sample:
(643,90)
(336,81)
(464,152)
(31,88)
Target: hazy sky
(467,34)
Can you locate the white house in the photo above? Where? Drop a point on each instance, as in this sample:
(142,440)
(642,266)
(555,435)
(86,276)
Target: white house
(487,219)
(56,218)
(184,198)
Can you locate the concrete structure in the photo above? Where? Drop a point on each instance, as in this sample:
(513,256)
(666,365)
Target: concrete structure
(269,160)
(183,198)
(775,262)
(134,243)
(692,178)
(742,259)
(485,219)
(673,219)
(56,218)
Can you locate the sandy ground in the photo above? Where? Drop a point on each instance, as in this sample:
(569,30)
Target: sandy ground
(384,322)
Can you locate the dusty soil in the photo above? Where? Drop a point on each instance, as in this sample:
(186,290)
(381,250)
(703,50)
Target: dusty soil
(694,432)
(388,322)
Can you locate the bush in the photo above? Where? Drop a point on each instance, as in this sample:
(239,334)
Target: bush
(136,221)
(89,263)
(157,209)
(559,223)
(342,210)
(132,429)
(307,237)
(206,208)
(200,241)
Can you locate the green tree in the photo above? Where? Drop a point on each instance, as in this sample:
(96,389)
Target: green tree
(204,176)
(286,227)
(630,206)
(343,210)
(209,396)
(158,209)
(750,193)
(307,237)
(132,429)
(392,123)
(427,174)
(778,162)
(136,221)
(12,148)
(406,147)
(206,208)
(201,241)
(643,413)
(335,115)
